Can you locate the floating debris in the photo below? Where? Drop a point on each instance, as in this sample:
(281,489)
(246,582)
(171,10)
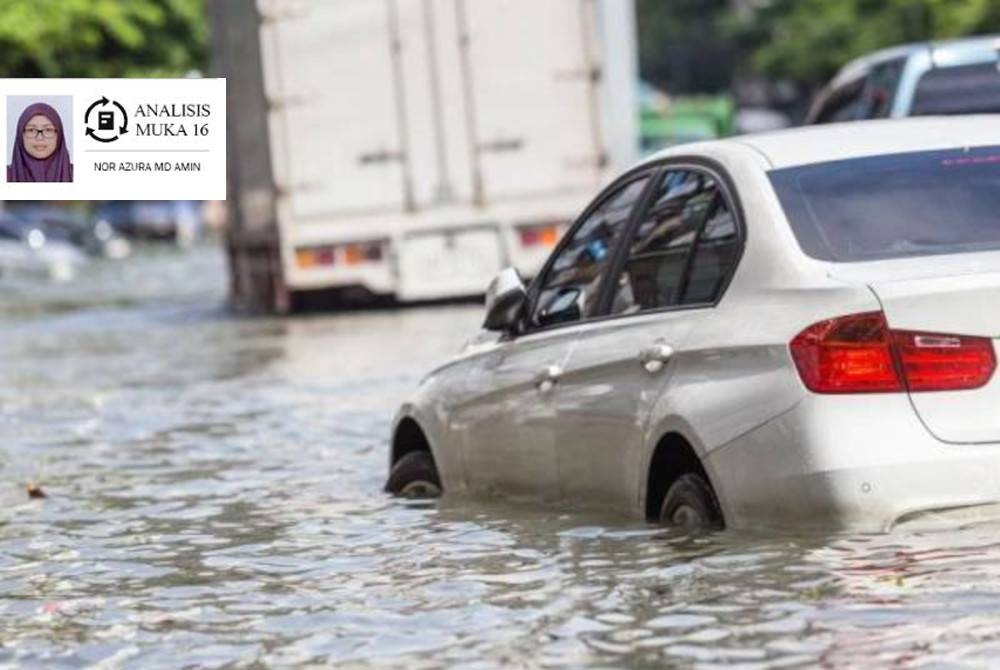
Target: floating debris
(53,608)
(35,492)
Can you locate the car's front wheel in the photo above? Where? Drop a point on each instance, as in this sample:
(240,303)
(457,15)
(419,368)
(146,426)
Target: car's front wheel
(414,476)
(690,505)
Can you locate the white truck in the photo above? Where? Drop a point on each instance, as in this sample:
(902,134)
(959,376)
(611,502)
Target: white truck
(419,146)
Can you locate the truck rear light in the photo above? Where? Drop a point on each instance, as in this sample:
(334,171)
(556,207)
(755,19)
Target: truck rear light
(310,257)
(861,354)
(539,236)
(353,255)
(364,252)
(325,255)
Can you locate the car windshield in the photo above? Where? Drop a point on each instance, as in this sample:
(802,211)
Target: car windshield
(915,204)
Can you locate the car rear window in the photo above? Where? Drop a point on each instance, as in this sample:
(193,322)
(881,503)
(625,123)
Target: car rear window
(914,204)
(964,89)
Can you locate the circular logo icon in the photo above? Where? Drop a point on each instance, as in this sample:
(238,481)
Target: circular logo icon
(106,120)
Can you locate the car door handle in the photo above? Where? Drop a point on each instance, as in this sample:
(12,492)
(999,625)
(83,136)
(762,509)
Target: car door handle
(548,378)
(654,357)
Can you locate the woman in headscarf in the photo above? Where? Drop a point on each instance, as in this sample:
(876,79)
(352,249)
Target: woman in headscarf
(40,152)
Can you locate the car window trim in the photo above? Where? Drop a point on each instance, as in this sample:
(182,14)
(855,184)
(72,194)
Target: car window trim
(644,171)
(710,211)
(605,293)
(655,170)
(727,188)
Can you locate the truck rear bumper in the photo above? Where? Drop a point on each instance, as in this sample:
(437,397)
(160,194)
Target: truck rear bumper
(415,265)
(448,263)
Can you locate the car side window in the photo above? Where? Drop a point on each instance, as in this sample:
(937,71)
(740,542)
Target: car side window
(682,249)
(843,104)
(569,290)
(883,82)
(715,256)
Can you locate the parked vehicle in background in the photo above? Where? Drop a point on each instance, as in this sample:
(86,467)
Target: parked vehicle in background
(158,220)
(440,142)
(91,235)
(666,121)
(28,250)
(954,77)
(793,328)
(759,120)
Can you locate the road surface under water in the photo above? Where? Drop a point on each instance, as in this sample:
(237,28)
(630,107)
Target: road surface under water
(214,500)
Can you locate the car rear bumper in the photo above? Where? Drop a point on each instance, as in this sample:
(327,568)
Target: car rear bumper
(849,462)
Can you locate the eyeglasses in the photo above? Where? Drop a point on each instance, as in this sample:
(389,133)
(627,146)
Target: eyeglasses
(31,132)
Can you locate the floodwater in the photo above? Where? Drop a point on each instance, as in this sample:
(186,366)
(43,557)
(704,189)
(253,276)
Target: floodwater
(213,500)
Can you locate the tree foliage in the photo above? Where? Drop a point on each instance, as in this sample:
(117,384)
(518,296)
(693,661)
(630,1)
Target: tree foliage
(681,47)
(699,45)
(101,38)
(808,40)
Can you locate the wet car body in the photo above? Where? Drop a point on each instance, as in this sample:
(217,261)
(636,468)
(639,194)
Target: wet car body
(608,408)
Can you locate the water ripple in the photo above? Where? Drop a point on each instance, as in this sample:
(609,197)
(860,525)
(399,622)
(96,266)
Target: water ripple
(214,501)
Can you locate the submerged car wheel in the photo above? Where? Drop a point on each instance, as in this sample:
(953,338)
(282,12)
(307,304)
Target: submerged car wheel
(414,476)
(690,504)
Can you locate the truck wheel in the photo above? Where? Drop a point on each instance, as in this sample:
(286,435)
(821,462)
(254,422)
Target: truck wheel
(414,476)
(690,504)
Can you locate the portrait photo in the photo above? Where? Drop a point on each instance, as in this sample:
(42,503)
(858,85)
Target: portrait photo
(39,141)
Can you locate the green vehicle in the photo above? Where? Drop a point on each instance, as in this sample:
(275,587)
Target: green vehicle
(666,121)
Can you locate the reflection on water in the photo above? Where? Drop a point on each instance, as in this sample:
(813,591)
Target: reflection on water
(214,500)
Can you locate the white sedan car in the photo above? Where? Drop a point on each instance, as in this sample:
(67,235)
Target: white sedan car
(796,328)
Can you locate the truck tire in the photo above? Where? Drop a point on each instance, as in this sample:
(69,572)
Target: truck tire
(414,476)
(690,504)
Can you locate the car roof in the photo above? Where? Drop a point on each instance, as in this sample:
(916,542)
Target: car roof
(860,67)
(942,52)
(856,139)
(982,43)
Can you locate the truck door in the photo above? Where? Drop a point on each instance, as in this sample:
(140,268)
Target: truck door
(530,76)
(332,74)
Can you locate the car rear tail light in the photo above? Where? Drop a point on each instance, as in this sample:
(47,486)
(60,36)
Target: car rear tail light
(851,354)
(944,362)
(861,354)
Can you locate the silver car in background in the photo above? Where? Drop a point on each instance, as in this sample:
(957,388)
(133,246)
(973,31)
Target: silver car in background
(790,329)
(931,78)
(28,251)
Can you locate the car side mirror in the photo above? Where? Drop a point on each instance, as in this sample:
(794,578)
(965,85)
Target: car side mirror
(506,297)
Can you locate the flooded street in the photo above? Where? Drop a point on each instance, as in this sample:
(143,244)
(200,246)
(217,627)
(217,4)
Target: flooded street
(214,500)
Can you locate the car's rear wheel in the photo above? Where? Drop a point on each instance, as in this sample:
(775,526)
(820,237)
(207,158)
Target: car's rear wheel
(414,476)
(690,505)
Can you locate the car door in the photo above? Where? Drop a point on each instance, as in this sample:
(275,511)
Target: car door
(678,259)
(509,417)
